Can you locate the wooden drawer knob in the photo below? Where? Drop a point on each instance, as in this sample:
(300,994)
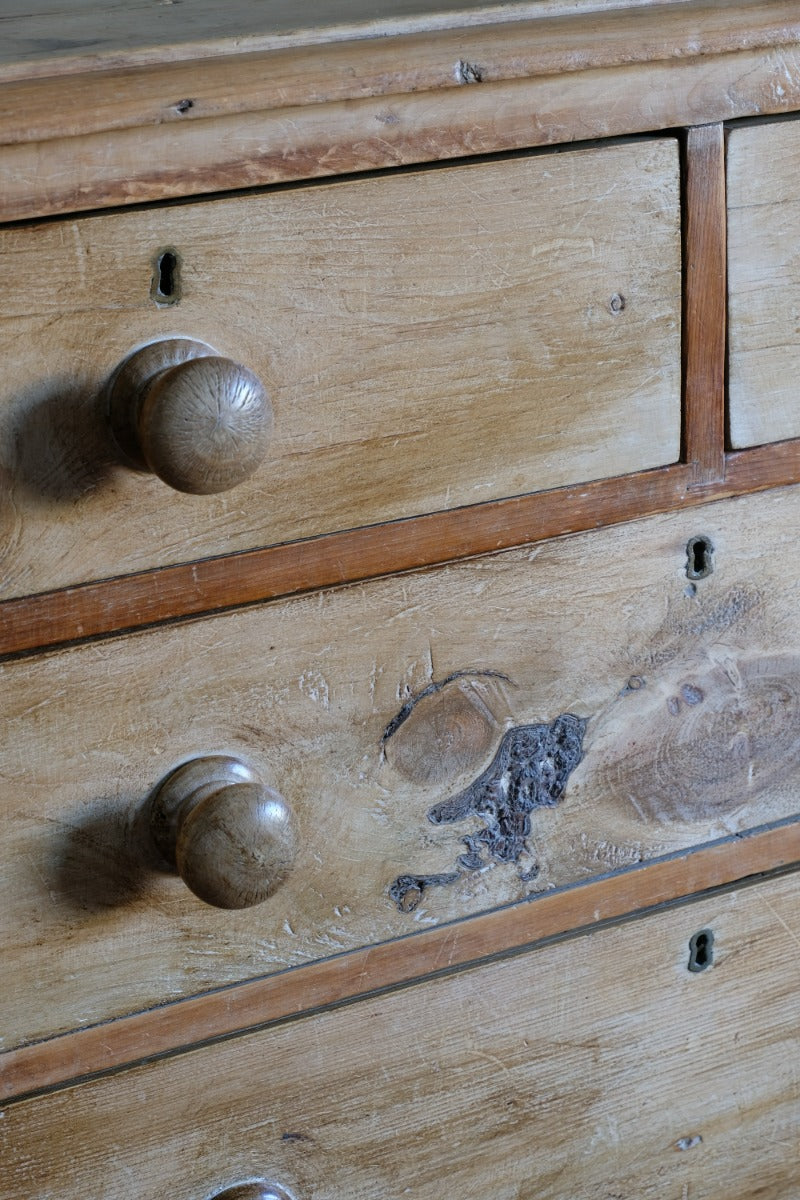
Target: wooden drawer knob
(199,421)
(230,837)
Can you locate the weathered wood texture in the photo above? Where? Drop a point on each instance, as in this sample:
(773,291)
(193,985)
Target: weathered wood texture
(141,85)
(690,691)
(764,282)
(600,1067)
(199,421)
(704,323)
(327,106)
(94,33)
(153,597)
(329,982)
(428,340)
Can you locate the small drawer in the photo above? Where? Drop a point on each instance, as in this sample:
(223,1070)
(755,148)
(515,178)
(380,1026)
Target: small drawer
(427,339)
(447,741)
(764,281)
(619,1064)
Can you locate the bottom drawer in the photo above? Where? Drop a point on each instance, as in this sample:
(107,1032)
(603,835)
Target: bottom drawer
(641,1061)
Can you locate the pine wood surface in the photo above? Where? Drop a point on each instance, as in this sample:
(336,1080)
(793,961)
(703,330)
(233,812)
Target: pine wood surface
(383,966)
(686,750)
(763,227)
(219,123)
(705,317)
(689,689)
(427,339)
(598,1067)
(68,36)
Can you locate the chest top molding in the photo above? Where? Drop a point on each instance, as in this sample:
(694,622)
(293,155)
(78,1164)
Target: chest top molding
(201,98)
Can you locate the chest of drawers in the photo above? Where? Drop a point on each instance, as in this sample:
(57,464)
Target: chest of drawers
(399,484)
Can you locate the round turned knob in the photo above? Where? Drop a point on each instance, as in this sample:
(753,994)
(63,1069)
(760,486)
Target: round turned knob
(230,838)
(256,1189)
(199,421)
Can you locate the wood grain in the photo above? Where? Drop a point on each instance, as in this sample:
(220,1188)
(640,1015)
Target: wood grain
(772,465)
(688,694)
(599,1064)
(647,75)
(427,340)
(184,81)
(142,599)
(201,422)
(764,285)
(153,597)
(705,318)
(388,965)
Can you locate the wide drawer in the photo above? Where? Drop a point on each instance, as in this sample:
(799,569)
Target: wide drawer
(764,281)
(600,1067)
(429,339)
(448,741)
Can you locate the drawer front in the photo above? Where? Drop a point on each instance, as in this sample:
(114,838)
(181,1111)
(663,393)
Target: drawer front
(764,282)
(617,708)
(600,1067)
(428,339)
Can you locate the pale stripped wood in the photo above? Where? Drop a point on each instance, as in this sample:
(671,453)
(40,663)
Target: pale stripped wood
(46,39)
(692,707)
(496,49)
(764,282)
(427,340)
(737,858)
(595,1068)
(705,326)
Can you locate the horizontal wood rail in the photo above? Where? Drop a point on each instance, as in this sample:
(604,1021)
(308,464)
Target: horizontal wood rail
(273,52)
(577,909)
(105,607)
(704,302)
(137,601)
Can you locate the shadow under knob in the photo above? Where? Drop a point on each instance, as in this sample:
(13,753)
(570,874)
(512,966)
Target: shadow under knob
(199,421)
(229,836)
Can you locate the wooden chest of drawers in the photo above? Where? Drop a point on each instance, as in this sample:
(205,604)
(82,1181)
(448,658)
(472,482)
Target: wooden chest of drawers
(407,559)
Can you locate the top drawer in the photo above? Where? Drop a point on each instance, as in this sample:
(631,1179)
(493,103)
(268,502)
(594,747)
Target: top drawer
(429,339)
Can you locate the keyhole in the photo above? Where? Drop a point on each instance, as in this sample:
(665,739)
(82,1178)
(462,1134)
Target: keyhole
(166,279)
(701,951)
(699,560)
